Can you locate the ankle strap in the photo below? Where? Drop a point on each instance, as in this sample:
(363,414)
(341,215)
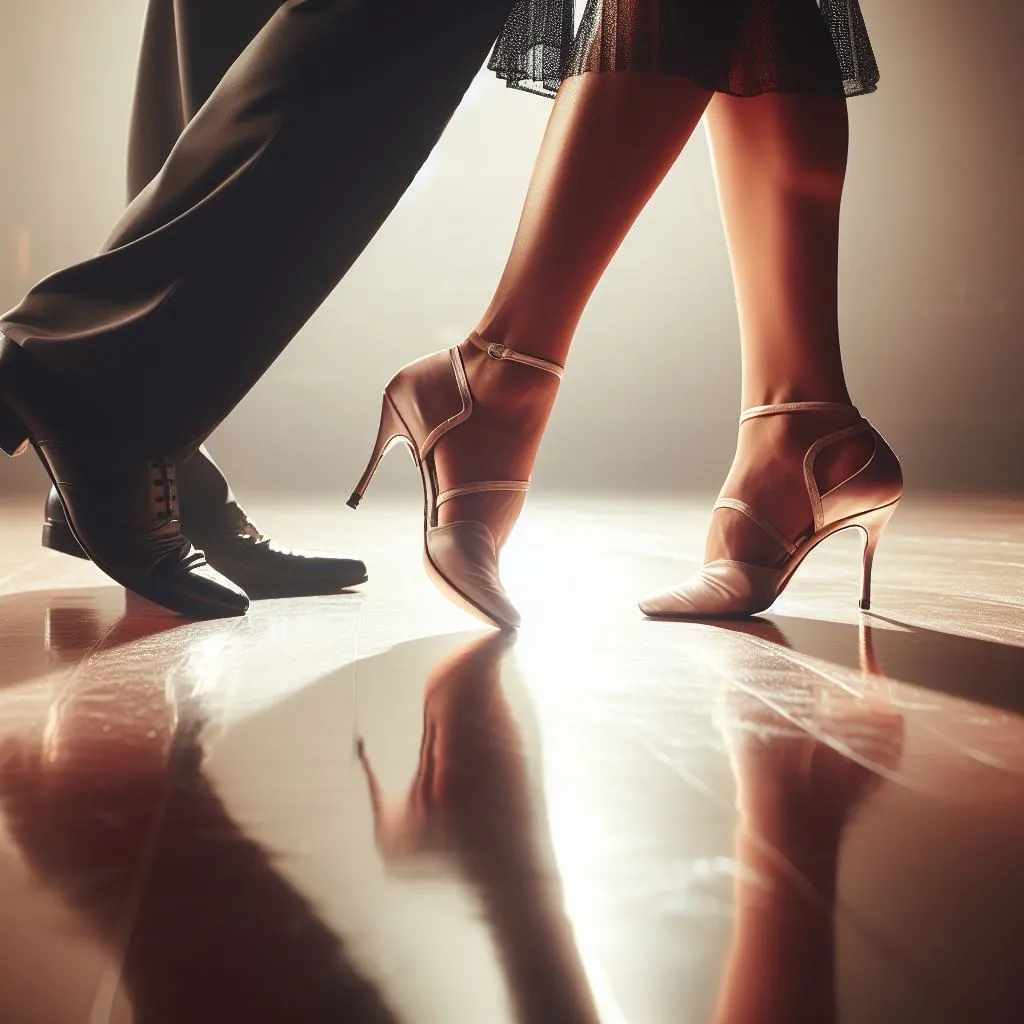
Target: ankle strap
(773,410)
(496,351)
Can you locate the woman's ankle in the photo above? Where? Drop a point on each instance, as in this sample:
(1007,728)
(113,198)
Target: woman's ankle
(755,396)
(508,391)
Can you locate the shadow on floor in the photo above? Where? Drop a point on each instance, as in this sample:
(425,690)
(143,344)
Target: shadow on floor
(983,671)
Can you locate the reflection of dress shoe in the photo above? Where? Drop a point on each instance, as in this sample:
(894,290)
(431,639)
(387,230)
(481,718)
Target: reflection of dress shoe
(44,628)
(797,791)
(69,631)
(121,504)
(213,520)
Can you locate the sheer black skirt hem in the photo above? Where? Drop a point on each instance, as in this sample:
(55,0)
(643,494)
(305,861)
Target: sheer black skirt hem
(737,47)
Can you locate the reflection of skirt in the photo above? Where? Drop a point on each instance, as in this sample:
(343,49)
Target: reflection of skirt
(740,47)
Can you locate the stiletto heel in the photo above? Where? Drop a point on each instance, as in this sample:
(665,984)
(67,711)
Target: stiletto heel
(425,401)
(873,524)
(391,431)
(726,588)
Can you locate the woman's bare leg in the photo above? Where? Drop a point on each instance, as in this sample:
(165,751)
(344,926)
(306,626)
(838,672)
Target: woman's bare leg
(610,141)
(780,165)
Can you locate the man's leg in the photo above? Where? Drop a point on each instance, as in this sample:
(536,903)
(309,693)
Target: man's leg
(271,193)
(187,47)
(158,114)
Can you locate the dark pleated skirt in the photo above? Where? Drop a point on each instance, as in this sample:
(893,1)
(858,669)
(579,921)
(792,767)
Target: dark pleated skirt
(739,47)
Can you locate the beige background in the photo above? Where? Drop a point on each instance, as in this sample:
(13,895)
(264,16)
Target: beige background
(933,314)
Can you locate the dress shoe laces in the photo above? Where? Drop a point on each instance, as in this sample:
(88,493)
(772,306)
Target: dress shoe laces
(167,535)
(165,490)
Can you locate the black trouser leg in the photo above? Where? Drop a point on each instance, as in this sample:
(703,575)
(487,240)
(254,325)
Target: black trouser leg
(271,193)
(158,114)
(187,47)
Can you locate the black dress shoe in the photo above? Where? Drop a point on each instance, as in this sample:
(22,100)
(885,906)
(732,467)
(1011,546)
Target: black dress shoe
(213,520)
(120,505)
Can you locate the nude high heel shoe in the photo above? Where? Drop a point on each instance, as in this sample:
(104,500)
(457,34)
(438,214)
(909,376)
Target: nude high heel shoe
(422,403)
(729,589)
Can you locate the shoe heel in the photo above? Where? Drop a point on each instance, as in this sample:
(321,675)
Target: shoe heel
(391,430)
(873,524)
(58,537)
(13,435)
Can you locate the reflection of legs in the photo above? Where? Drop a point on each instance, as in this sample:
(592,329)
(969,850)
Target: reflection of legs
(116,797)
(781,966)
(473,801)
(611,139)
(795,796)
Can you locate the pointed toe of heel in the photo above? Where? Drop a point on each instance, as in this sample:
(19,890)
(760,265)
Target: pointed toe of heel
(463,562)
(720,590)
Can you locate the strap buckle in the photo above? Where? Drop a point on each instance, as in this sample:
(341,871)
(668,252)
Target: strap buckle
(496,351)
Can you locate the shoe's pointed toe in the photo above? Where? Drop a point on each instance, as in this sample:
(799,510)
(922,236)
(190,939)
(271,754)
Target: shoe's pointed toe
(198,592)
(288,572)
(267,570)
(722,589)
(464,557)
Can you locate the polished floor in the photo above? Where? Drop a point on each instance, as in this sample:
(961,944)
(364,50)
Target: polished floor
(367,808)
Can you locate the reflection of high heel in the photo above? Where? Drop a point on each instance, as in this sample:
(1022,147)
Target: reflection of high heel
(867,500)
(452,778)
(422,403)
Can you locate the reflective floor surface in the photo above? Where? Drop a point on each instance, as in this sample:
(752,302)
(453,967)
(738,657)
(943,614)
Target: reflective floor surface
(368,808)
